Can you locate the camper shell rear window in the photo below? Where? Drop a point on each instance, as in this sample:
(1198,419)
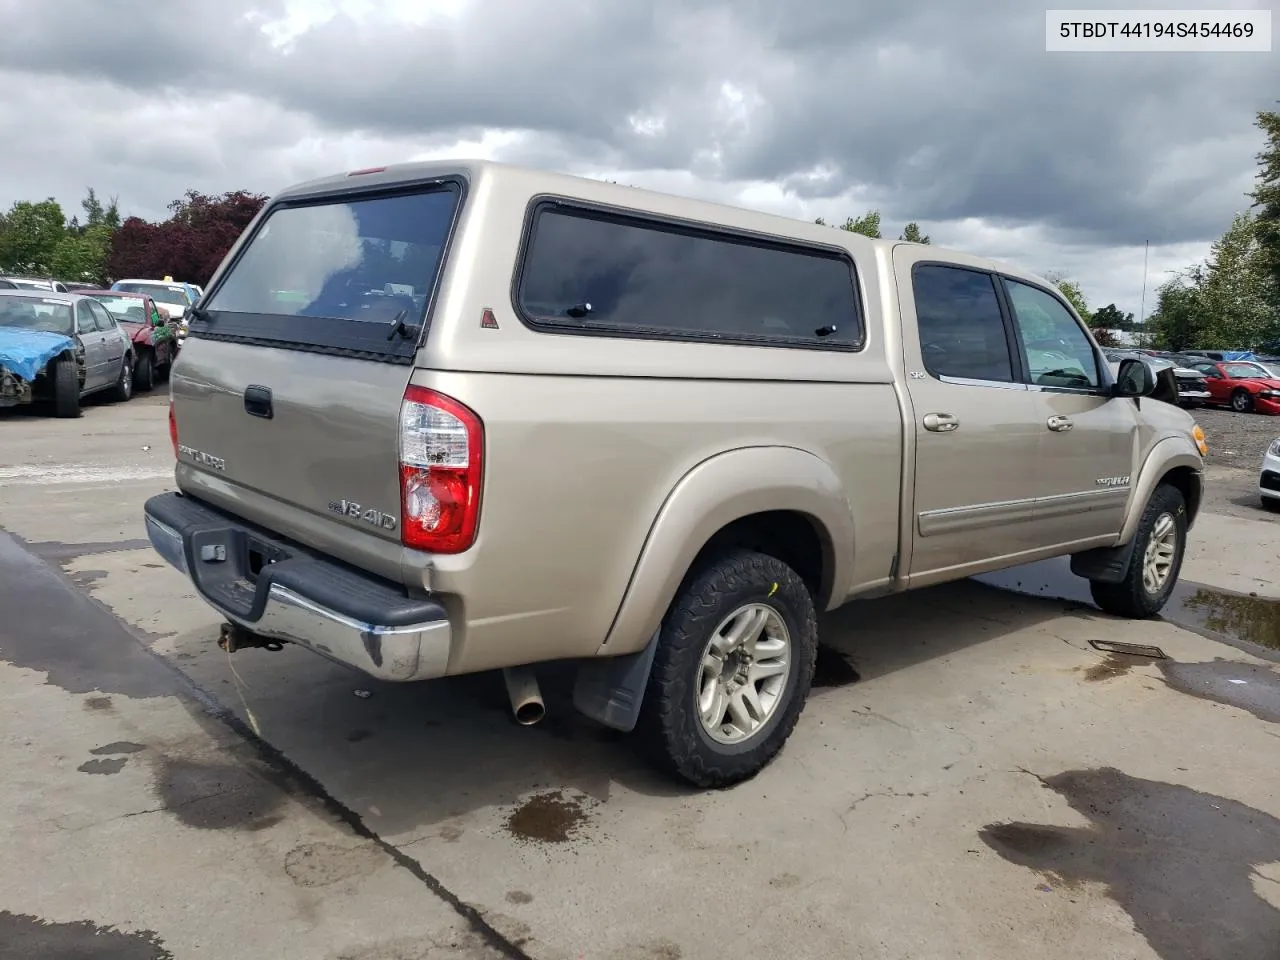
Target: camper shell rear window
(352,273)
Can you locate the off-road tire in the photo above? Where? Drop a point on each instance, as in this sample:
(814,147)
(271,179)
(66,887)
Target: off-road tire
(144,373)
(1241,401)
(123,388)
(1130,598)
(1270,504)
(66,389)
(670,730)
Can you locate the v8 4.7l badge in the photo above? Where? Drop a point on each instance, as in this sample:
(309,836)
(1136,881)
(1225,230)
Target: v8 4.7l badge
(349,508)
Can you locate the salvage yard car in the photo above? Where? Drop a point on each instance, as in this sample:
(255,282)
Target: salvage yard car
(1243,385)
(60,347)
(435,419)
(1269,478)
(1192,388)
(155,343)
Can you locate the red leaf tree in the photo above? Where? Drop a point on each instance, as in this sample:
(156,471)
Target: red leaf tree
(189,245)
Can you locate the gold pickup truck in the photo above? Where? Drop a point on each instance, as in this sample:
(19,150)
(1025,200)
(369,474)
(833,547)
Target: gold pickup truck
(434,419)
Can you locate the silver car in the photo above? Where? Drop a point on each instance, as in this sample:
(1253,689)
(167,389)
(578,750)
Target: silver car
(95,356)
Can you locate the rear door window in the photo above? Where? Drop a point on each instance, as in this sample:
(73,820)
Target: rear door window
(586,271)
(101,318)
(962,331)
(338,272)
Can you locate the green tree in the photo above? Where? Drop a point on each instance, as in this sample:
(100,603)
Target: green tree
(1266,198)
(29,235)
(868,224)
(1234,292)
(1111,317)
(1179,319)
(911,233)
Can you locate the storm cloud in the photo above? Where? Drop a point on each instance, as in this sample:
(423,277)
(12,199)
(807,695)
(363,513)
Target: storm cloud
(953,115)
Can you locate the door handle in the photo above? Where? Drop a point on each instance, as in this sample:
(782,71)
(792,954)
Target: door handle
(1059,424)
(257,401)
(940,422)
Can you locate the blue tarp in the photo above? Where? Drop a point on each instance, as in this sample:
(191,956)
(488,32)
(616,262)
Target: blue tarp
(25,352)
(1238,355)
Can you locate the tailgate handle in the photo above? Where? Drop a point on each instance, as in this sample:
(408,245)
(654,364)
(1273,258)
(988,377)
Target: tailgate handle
(257,401)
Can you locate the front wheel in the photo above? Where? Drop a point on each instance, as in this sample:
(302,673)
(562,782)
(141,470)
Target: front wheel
(123,389)
(732,671)
(1241,401)
(1159,545)
(66,389)
(144,373)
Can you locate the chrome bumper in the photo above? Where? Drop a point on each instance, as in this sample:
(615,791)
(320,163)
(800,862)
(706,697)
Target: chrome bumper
(414,651)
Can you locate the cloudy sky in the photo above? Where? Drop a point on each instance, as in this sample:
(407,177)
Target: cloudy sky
(950,114)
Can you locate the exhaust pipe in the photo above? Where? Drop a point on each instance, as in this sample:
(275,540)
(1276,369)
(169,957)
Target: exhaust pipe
(525,696)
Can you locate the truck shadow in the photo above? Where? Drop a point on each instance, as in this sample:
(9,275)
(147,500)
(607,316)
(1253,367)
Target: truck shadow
(417,761)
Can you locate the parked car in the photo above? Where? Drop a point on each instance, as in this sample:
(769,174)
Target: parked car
(650,436)
(155,341)
(173,296)
(1242,384)
(1269,479)
(60,347)
(1192,384)
(35,283)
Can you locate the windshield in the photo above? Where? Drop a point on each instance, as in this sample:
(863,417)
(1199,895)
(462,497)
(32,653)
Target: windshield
(1244,371)
(365,260)
(164,292)
(35,313)
(126,309)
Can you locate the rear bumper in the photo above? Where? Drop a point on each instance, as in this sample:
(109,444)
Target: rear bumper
(281,591)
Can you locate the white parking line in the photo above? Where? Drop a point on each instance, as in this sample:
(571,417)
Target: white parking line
(57,474)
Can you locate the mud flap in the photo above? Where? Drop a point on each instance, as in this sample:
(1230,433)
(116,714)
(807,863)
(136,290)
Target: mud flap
(1104,564)
(610,690)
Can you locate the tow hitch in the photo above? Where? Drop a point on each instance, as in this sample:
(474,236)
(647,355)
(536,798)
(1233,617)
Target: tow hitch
(233,637)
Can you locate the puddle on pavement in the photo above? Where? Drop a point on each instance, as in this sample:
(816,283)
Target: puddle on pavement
(547,818)
(833,669)
(216,796)
(26,936)
(1247,686)
(1180,862)
(1254,620)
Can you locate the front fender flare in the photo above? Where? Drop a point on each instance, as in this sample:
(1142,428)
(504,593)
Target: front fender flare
(1168,454)
(713,494)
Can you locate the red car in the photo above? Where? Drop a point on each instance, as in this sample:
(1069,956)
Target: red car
(155,341)
(1242,384)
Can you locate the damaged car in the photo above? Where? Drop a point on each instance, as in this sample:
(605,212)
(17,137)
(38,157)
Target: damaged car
(61,347)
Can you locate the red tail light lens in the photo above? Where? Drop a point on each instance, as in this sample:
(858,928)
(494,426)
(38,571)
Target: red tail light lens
(173,429)
(441,461)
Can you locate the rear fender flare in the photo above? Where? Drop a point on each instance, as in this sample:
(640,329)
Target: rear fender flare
(710,496)
(1168,454)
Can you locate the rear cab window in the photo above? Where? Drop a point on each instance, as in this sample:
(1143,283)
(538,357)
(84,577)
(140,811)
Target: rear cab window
(588,271)
(337,273)
(963,335)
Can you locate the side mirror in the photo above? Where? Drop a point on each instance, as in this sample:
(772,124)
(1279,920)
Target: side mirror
(1134,379)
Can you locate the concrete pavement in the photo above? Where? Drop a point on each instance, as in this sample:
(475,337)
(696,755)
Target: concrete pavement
(971,778)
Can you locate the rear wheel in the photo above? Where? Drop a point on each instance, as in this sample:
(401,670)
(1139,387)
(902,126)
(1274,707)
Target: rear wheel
(66,389)
(732,670)
(1271,503)
(1153,569)
(144,372)
(123,389)
(1241,401)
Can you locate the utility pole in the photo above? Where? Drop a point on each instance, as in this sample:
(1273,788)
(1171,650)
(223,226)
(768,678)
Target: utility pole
(1142,310)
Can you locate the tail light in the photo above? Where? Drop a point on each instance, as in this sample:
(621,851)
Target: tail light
(441,458)
(173,429)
